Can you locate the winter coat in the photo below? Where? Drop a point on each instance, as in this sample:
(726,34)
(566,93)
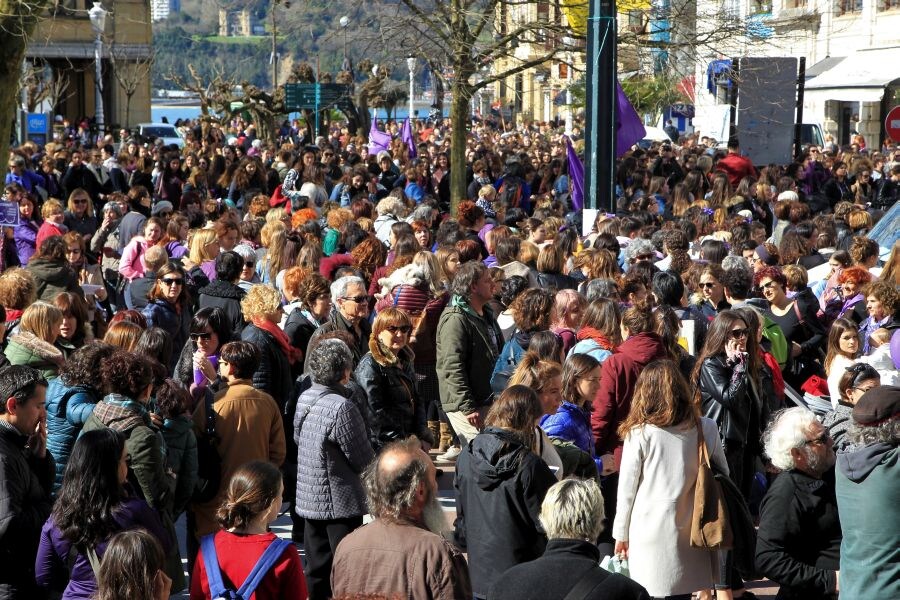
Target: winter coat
(273,376)
(867,487)
(52,277)
(556,573)
(48,229)
(249,427)
(338,323)
(145,445)
(655,505)
(798,544)
(68,408)
(108,237)
(333,451)
(727,397)
(572,424)
(138,291)
(467,350)
(25,348)
(24,506)
(177,323)
(617,381)
(395,410)
(500,485)
(181,459)
(227,296)
(25,236)
(52,563)
(556,281)
(300,326)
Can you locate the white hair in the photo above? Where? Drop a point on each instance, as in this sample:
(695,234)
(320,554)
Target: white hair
(573,509)
(787,431)
(340,285)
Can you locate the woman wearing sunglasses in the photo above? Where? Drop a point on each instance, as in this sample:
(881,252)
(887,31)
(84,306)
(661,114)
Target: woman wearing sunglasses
(728,374)
(169,306)
(386,374)
(197,366)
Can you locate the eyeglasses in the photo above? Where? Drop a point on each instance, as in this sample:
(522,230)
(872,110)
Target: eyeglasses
(404,329)
(172,281)
(863,389)
(822,439)
(201,336)
(357,299)
(707,285)
(165,215)
(73,251)
(768,285)
(643,257)
(79,201)
(249,264)
(737,334)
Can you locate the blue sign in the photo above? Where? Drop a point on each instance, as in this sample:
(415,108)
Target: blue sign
(37,123)
(9,213)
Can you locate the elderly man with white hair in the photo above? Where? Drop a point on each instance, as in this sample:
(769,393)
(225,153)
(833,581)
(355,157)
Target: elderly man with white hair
(572,516)
(351,300)
(799,538)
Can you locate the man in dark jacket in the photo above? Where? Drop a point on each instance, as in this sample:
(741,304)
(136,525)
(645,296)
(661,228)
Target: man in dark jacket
(352,302)
(468,343)
(26,478)
(137,292)
(571,513)
(799,539)
(79,176)
(224,293)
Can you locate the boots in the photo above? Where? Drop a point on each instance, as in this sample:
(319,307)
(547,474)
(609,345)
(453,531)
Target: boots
(435,431)
(445,438)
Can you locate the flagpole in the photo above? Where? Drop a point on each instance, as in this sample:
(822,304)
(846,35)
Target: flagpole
(600,126)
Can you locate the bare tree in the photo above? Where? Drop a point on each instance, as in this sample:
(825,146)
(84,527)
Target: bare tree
(130,73)
(18,18)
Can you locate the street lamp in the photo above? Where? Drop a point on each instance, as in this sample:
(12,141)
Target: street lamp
(345,21)
(411,65)
(568,43)
(98,22)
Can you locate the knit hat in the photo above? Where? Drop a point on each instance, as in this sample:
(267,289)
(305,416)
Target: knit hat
(161,207)
(878,405)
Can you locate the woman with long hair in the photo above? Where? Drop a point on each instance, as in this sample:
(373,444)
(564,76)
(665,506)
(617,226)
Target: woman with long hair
(89,273)
(124,334)
(197,363)
(599,332)
(249,179)
(133,569)
(76,328)
(169,306)
(93,503)
(51,271)
(79,217)
(657,477)
(569,307)
(532,311)
(33,345)
(170,181)
(25,233)
(841,353)
(500,484)
(544,377)
(201,259)
(253,499)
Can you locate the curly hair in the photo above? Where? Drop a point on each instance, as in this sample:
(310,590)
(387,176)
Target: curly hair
(309,290)
(773,273)
(83,366)
(368,255)
(855,274)
(329,361)
(172,399)
(17,289)
(886,293)
(532,310)
(126,374)
(862,249)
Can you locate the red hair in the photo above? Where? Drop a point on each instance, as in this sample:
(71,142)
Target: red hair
(857,275)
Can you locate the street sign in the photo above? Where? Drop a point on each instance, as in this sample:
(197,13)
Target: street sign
(892,124)
(37,127)
(9,213)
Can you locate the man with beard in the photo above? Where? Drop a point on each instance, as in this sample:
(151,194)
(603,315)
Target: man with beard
(799,539)
(401,553)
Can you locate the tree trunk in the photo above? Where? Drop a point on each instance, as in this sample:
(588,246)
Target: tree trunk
(128,111)
(459,117)
(17,21)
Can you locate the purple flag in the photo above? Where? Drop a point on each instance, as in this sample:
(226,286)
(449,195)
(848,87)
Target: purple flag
(378,140)
(576,176)
(630,129)
(406,135)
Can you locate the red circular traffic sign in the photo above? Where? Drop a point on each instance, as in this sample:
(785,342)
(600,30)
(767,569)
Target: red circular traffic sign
(892,124)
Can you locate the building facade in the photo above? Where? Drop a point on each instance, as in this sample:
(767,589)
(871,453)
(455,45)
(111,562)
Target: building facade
(62,51)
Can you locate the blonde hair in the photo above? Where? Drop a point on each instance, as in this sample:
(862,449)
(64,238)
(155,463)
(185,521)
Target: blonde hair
(79,193)
(260,301)
(41,318)
(199,241)
(51,207)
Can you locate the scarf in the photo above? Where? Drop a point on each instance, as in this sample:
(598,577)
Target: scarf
(293,354)
(589,333)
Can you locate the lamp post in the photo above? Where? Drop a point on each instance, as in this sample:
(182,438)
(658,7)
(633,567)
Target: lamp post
(411,65)
(345,21)
(568,42)
(98,22)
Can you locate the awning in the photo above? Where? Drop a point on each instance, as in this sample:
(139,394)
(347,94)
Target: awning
(822,66)
(859,77)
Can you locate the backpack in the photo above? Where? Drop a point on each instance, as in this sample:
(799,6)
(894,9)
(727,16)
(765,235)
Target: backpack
(778,344)
(265,563)
(510,192)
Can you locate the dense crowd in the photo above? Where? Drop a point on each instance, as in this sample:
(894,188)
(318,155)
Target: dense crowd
(229,327)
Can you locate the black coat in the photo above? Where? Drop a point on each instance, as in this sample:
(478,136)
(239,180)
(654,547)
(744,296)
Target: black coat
(558,571)
(727,397)
(25,485)
(500,485)
(139,289)
(226,296)
(799,539)
(273,376)
(556,281)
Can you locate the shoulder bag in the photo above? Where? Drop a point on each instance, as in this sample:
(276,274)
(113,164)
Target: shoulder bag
(710,528)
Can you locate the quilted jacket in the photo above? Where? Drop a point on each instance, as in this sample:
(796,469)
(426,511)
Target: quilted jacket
(68,407)
(333,450)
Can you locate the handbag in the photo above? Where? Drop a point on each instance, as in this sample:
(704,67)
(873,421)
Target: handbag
(710,528)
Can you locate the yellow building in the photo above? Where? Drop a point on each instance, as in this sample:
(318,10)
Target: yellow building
(62,49)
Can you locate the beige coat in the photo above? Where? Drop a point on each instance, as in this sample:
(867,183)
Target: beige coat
(249,426)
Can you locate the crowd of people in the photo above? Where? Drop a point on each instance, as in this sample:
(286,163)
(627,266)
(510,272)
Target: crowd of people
(223,329)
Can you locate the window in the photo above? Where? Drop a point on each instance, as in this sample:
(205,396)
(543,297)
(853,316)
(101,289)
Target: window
(795,3)
(848,7)
(760,7)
